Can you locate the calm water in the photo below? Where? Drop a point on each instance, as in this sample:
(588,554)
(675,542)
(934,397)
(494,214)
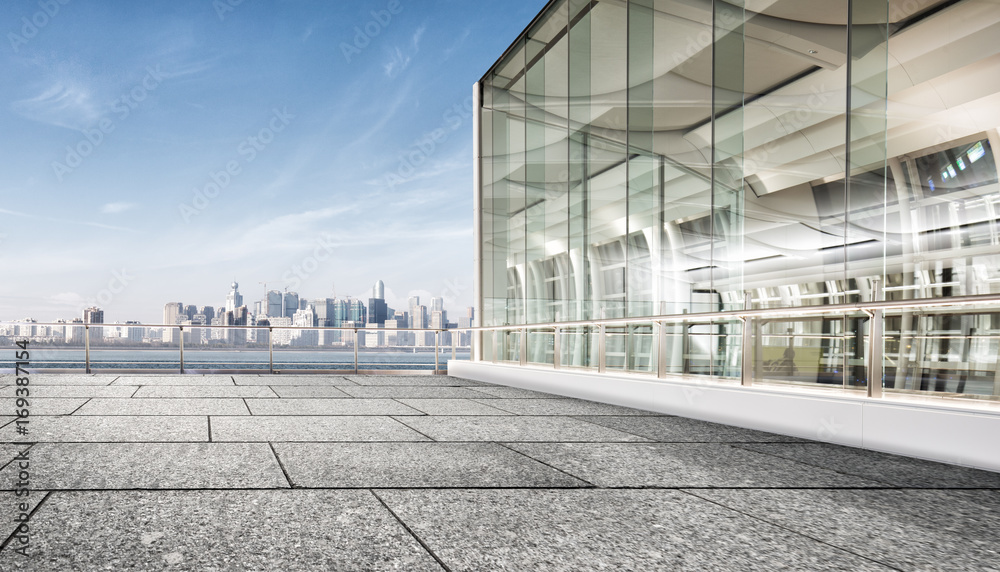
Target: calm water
(43,358)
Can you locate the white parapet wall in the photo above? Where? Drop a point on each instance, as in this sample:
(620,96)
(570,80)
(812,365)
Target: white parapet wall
(952,431)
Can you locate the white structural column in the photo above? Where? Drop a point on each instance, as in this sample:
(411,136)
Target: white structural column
(477,223)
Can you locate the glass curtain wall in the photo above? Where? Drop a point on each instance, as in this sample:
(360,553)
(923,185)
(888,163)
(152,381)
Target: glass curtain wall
(653,157)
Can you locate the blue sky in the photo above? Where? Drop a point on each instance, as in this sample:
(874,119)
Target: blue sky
(154,151)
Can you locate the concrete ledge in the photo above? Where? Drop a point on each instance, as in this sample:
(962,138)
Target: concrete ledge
(945,431)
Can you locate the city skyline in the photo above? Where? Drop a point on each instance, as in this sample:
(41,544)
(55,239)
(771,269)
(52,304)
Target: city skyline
(153,154)
(392,300)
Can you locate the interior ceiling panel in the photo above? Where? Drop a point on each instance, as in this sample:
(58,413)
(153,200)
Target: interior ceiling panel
(834,12)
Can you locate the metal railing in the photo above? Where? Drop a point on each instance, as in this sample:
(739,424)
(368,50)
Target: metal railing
(352,332)
(873,314)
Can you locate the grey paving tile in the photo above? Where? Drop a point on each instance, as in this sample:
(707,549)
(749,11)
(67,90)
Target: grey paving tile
(197,380)
(175,391)
(276,380)
(409,465)
(681,465)
(294,391)
(172,406)
(329,407)
(452,407)
(9,451)
(90,429)
(316,428)
(907,529)
(58,466)
(889,469)
(5,419)
(12,508)
(73,391)
(219,530)
(603,530)
(505,392)
(411,391)
(62,379)
(670,429)
(469,428)
(45,405)
(432,380)
(564,406)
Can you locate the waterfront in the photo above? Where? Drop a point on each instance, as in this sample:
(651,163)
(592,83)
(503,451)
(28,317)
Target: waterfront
(197,359)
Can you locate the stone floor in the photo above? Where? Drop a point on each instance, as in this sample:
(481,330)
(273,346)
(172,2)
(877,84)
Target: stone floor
(428,473)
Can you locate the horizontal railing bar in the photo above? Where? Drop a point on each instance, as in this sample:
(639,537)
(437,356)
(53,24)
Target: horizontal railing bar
(209,327)
(788,312)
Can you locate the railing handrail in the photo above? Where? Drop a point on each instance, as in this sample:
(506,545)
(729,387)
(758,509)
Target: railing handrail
(237,327)
(760,312)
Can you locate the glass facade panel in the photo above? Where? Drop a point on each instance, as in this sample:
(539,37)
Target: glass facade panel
(647,158)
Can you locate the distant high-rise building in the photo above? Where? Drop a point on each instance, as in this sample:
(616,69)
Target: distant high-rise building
(290,304)
(93,315)
(413,303)
(171,311)
(273,304)
(190,311)
(305,318)
(378,291)
(208,312)
(377,311)
(234,299)
(437,305)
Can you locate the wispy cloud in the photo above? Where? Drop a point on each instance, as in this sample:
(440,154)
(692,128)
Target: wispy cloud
(62,104)
(399,59)
(117,208)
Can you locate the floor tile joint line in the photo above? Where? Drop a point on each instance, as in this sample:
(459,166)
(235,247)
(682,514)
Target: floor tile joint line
(410,531)
(792,531)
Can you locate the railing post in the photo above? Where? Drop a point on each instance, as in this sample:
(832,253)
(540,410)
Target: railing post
(661,350)
(522,349)
(86,345)
(746,359)
(875,345)
(496,345)
(746,352)
(437,334)
(454,345)
(181,340)
(355,351)
(602,344)
(270,350)
(556,348)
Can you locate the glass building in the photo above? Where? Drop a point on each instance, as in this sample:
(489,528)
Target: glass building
(746,190)
(659,157)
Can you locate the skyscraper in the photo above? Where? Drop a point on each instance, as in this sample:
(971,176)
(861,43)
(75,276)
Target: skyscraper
(413,303)
(290,305)
(93,315)
(273,308)
(234,299)
(208,312)
(377,309)
(171,311)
